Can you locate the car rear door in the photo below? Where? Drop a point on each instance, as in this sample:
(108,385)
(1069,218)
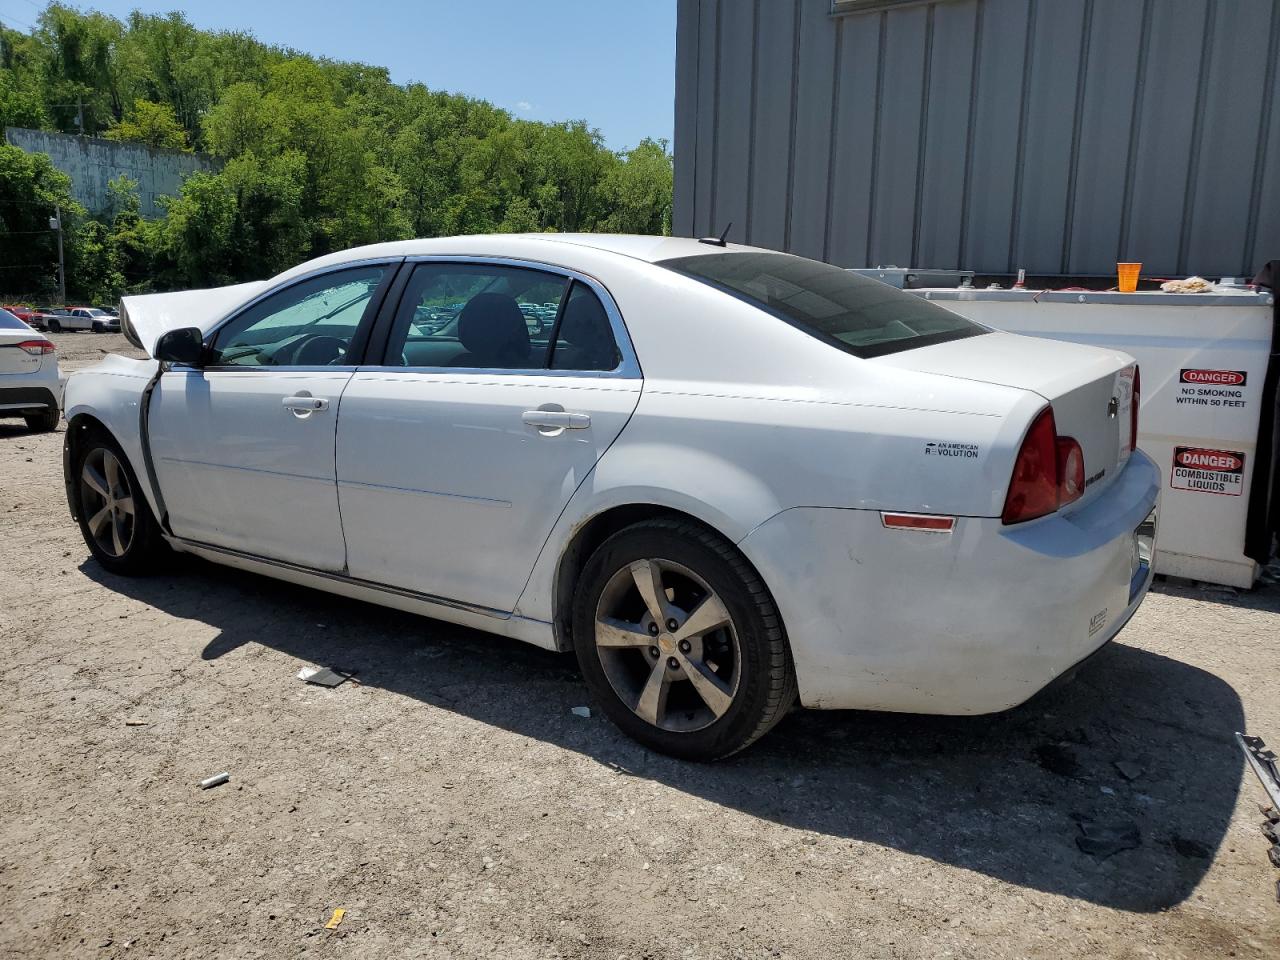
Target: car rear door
(243,446)
(458,453)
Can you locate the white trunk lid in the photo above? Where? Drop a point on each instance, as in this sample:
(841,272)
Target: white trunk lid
(13,360)
(1090,388)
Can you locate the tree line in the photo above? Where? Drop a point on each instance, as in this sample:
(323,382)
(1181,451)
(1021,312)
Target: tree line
(314,155)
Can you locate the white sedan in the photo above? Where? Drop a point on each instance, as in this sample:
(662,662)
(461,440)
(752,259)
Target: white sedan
(726,478)
(29,383)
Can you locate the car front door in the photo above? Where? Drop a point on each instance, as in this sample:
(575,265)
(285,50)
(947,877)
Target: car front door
(502,385)
(243,446)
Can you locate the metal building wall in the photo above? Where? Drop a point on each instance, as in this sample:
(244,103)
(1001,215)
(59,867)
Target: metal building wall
(1056,135)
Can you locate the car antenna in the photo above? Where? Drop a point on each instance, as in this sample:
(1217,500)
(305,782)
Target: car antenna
(720,240)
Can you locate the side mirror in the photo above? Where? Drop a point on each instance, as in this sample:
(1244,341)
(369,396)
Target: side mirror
(185,346)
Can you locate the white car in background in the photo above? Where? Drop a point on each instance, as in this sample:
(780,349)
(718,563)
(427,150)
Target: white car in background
(29,384)
(726,478)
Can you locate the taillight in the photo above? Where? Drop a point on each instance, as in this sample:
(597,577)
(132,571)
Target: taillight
(1048,474)
(37,348)
(1133,408)
(1070,471)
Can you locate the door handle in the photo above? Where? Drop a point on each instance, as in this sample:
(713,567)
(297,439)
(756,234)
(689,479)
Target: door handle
(556,420)
(304,405)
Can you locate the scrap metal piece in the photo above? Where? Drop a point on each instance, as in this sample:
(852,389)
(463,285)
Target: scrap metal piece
(325,676)
(1102,840)
(216,780)
(1263,762)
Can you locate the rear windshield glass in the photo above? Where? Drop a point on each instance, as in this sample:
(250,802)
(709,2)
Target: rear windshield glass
(9,322)
(856,314)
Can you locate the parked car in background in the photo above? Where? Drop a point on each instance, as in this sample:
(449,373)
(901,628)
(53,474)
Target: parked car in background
(58,319)
(726,478)
(99,320)
(25,314)
(28,374)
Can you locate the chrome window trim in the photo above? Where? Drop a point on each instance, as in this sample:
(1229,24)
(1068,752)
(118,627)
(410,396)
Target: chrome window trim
(628,369)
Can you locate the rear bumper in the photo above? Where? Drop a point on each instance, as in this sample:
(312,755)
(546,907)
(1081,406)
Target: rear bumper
(974,621)
(15,401)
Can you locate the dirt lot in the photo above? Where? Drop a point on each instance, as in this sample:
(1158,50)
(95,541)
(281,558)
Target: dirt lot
(455,807)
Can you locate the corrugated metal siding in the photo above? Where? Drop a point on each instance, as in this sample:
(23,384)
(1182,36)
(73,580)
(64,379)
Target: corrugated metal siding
(1056,135)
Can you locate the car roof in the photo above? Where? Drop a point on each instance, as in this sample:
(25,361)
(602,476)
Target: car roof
(647,249)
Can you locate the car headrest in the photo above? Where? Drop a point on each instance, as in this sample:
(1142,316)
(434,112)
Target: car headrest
(493,330)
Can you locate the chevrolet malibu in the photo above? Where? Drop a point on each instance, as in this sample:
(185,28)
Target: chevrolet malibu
(727,479)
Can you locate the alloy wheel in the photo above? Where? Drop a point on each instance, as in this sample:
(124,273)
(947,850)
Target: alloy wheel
(668,645)
(106,502)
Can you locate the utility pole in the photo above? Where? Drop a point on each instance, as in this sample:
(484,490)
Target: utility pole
(80,112)
(55,223)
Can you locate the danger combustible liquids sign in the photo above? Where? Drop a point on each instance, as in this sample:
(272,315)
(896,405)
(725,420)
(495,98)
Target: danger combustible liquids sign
(1208,471)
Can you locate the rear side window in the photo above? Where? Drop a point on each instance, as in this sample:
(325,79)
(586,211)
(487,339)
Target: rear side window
(855,314)
(9,322)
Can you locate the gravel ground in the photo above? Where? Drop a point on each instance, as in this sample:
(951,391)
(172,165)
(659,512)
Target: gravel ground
(452,804)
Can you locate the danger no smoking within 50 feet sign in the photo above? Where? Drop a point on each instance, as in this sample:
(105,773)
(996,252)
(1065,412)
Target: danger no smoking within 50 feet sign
(1208,471)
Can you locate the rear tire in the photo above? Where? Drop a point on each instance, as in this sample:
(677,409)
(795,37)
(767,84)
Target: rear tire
(706,676)
(114,516)
(55,326)
(43,422)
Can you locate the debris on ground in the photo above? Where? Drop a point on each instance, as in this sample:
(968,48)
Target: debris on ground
(325,676)
(216,780)
(1130,771)
(584,712)
(1102,840)
(135,723)
(336,919)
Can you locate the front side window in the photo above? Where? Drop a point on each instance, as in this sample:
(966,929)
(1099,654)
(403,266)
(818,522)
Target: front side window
(855,314)
(308,324)
(496,317)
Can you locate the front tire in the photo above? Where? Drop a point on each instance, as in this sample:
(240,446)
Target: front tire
(115,519)
(680,642)
(43,422)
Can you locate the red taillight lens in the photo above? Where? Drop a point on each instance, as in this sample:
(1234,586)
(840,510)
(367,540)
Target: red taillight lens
(1048,474)
(1133,408)
(37,348)
(1033,491)
(1070,471)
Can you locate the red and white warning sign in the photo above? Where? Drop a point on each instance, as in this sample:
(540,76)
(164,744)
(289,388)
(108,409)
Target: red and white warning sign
(1208,471)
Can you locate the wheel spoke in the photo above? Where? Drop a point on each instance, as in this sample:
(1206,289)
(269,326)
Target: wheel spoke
(618,633)
(652,704)
(117,536)
(111,466)
(99,519)
(648,577)
(710,687)
(94,480)
(706,616)
(126,505)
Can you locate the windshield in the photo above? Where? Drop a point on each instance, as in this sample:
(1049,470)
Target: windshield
(855,314)
(9,322)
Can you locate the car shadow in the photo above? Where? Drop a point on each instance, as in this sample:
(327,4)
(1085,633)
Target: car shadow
(1137,740)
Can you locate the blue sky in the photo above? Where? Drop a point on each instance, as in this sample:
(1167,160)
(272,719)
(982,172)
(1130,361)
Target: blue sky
(609,62)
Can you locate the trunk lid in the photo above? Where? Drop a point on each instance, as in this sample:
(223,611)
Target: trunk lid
(15,361)
(1090,388)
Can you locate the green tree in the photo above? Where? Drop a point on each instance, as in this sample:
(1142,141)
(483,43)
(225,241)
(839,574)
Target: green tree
(31,188)
(154,124)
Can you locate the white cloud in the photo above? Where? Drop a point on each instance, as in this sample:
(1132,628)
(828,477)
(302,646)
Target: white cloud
(524,106)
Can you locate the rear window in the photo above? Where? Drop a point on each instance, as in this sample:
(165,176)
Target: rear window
(9,322)
(855,314)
